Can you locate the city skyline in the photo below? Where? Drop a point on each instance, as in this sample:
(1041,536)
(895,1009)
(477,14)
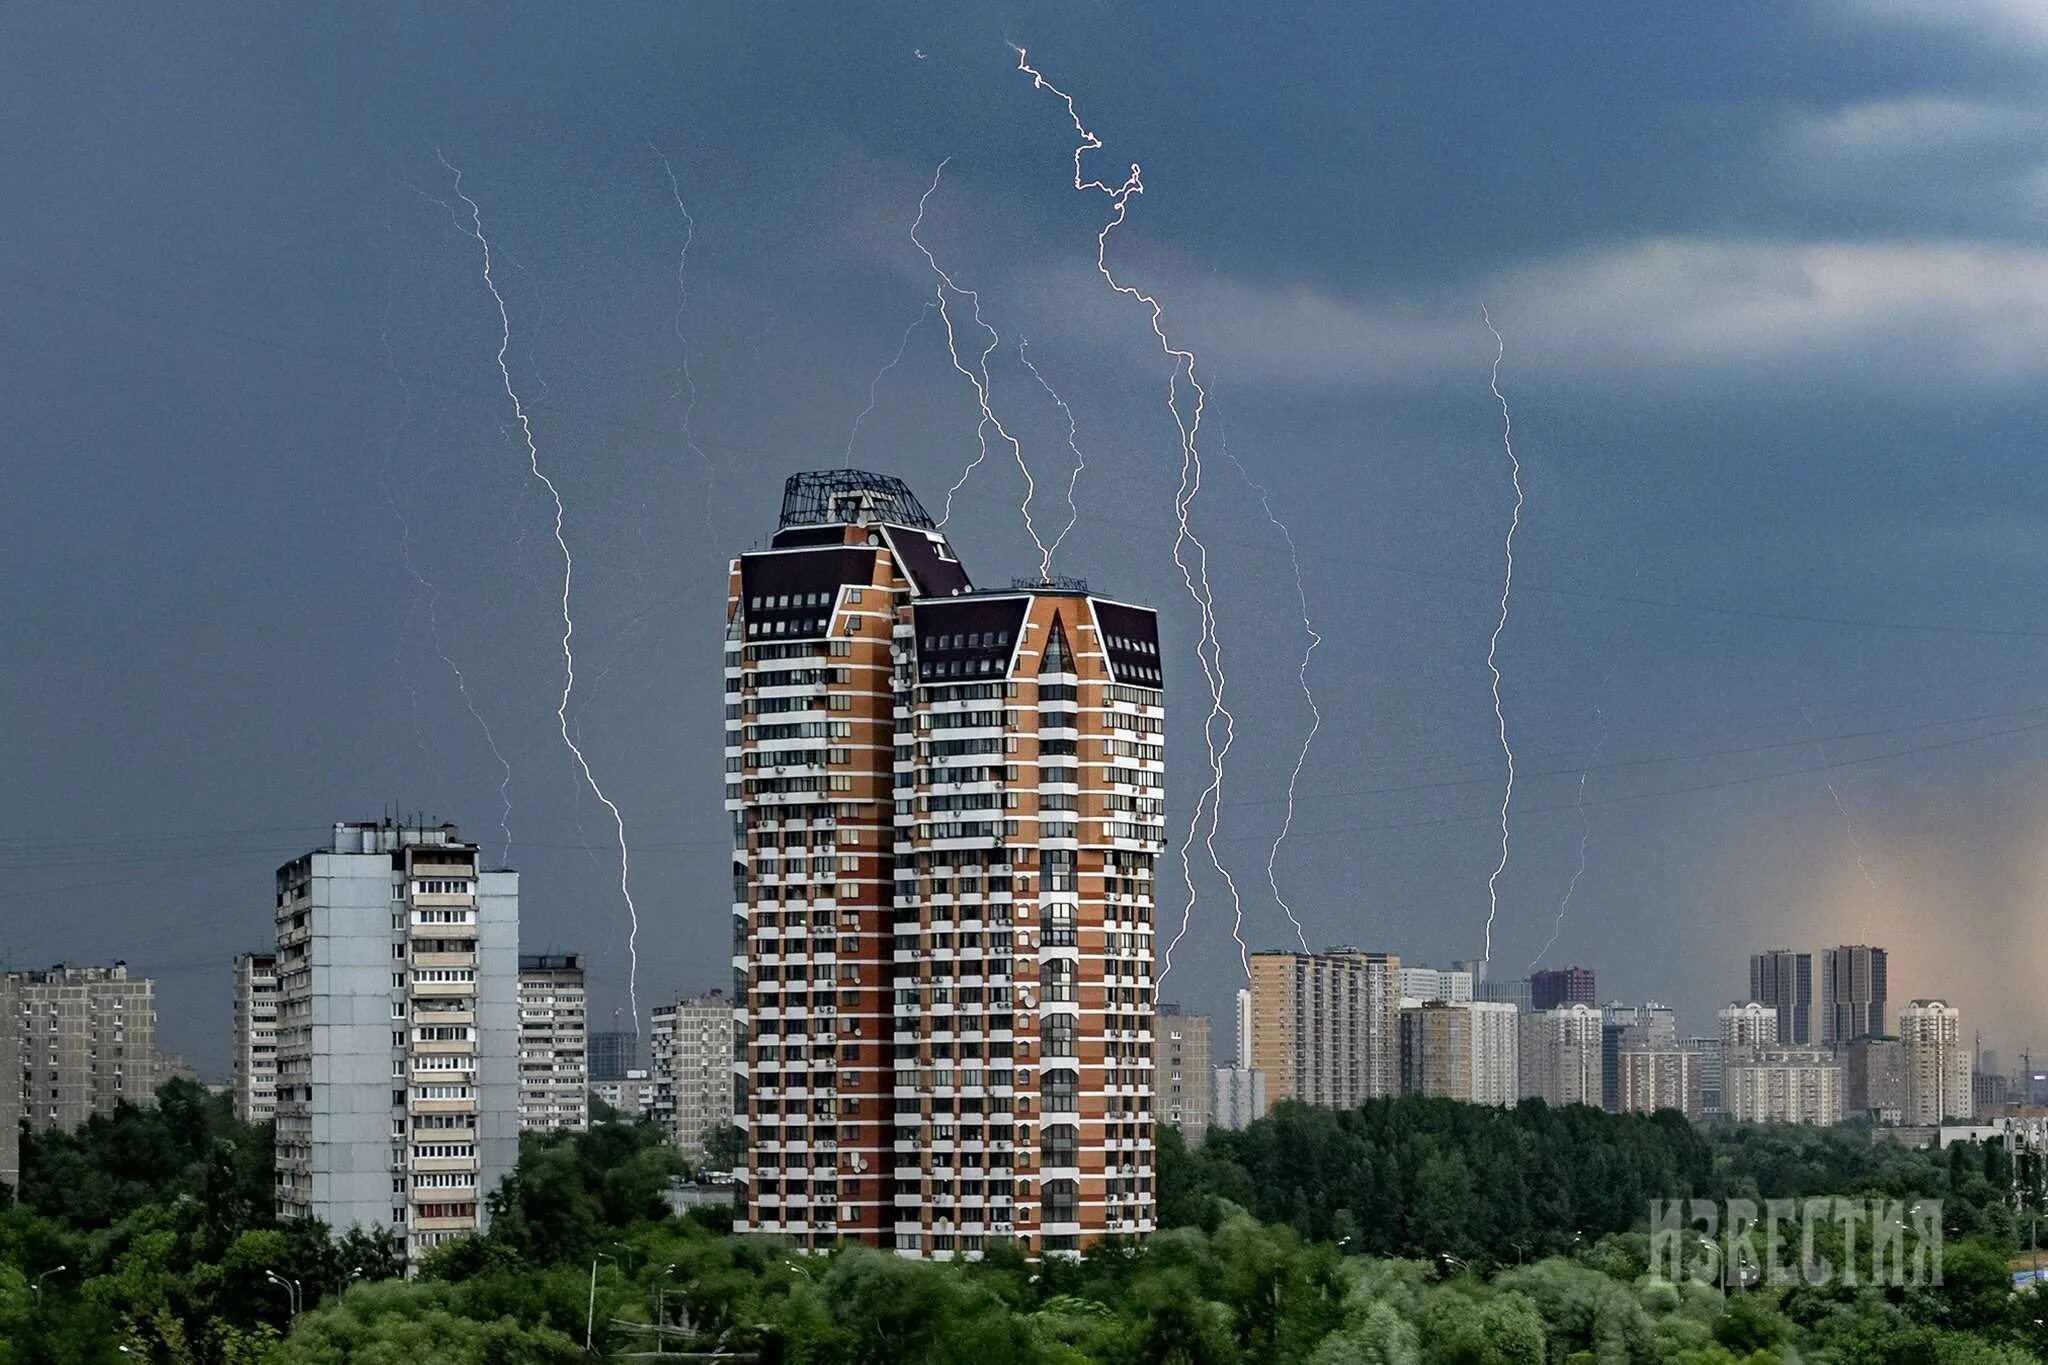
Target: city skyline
(1788,640)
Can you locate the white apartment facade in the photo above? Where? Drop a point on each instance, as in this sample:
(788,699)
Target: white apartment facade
(398,1032)
(691,1047)
(1938,1062)
(1748,1023)
(1774,1084)
(554,1079)
(254,1068)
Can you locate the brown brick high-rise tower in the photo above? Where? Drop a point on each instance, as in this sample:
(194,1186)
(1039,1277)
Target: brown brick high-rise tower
(947,808)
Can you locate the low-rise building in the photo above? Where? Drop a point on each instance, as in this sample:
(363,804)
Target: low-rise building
(1182,1072)
(1240,1093)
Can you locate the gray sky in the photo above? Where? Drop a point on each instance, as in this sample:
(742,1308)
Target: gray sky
(1774,288)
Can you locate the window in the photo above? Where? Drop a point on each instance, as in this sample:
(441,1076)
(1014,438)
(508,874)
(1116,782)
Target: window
(1057,1035)
(1060,1090)
(1062,1202)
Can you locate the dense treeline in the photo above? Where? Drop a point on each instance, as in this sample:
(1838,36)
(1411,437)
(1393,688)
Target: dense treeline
(1388,1235)
(1422,1177)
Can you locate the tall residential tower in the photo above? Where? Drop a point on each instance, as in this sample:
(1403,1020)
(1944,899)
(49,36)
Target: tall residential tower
(947,807)
(255,1061)
(397,1032)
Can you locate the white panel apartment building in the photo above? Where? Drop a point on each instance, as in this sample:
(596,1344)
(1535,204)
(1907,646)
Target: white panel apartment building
(398,1032)
(255,1062)
(1772,1084)
(692,1091)
(554,1077)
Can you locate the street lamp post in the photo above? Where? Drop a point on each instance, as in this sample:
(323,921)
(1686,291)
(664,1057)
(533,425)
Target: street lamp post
(292,1291)
(53,1270)
(590,1310)
(661,1309)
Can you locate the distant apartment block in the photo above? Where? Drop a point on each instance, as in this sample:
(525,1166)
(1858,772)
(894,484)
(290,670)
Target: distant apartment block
(1875,1076)
(630,1095)
(1506,992)
(398,1032)
(1326,1027)
(1240,1097)
(1783,980)
(1431,983)
(1663,1077)
(1564,986)
(253,1071)
(1938,1064)
(1852,993)
(1461,1050)
(1646,1027)
(554,1081)
(1182,1072)
(1561,1055)
(1751,1023)
(1710,1052)
(693,1092)
(74,1042)
(1773,1083)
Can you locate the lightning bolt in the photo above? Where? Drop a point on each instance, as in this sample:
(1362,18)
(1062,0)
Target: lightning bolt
(1073,444)
(687,389)
(1308,694)
(978,377)
(1507,438)
(1820,744)
(476,229)
(1585,836)
(421,584)
(1194,568)
(874,385)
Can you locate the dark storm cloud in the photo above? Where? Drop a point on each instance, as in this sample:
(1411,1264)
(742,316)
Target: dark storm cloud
(1775,292)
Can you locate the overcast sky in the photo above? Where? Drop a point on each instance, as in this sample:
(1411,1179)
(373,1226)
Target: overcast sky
(1773,284)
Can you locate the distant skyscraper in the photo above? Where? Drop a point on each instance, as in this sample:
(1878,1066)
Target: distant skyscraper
(691,1042)
(947,808)
(554,1078)
(254,1069)
(1561,1055)
(1326,1027)
(1565,986)
(613,1053)
(1938,1064)
(1183,1075)
(1852,993)
(398,1032)
(81,1040)
(1783,979)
